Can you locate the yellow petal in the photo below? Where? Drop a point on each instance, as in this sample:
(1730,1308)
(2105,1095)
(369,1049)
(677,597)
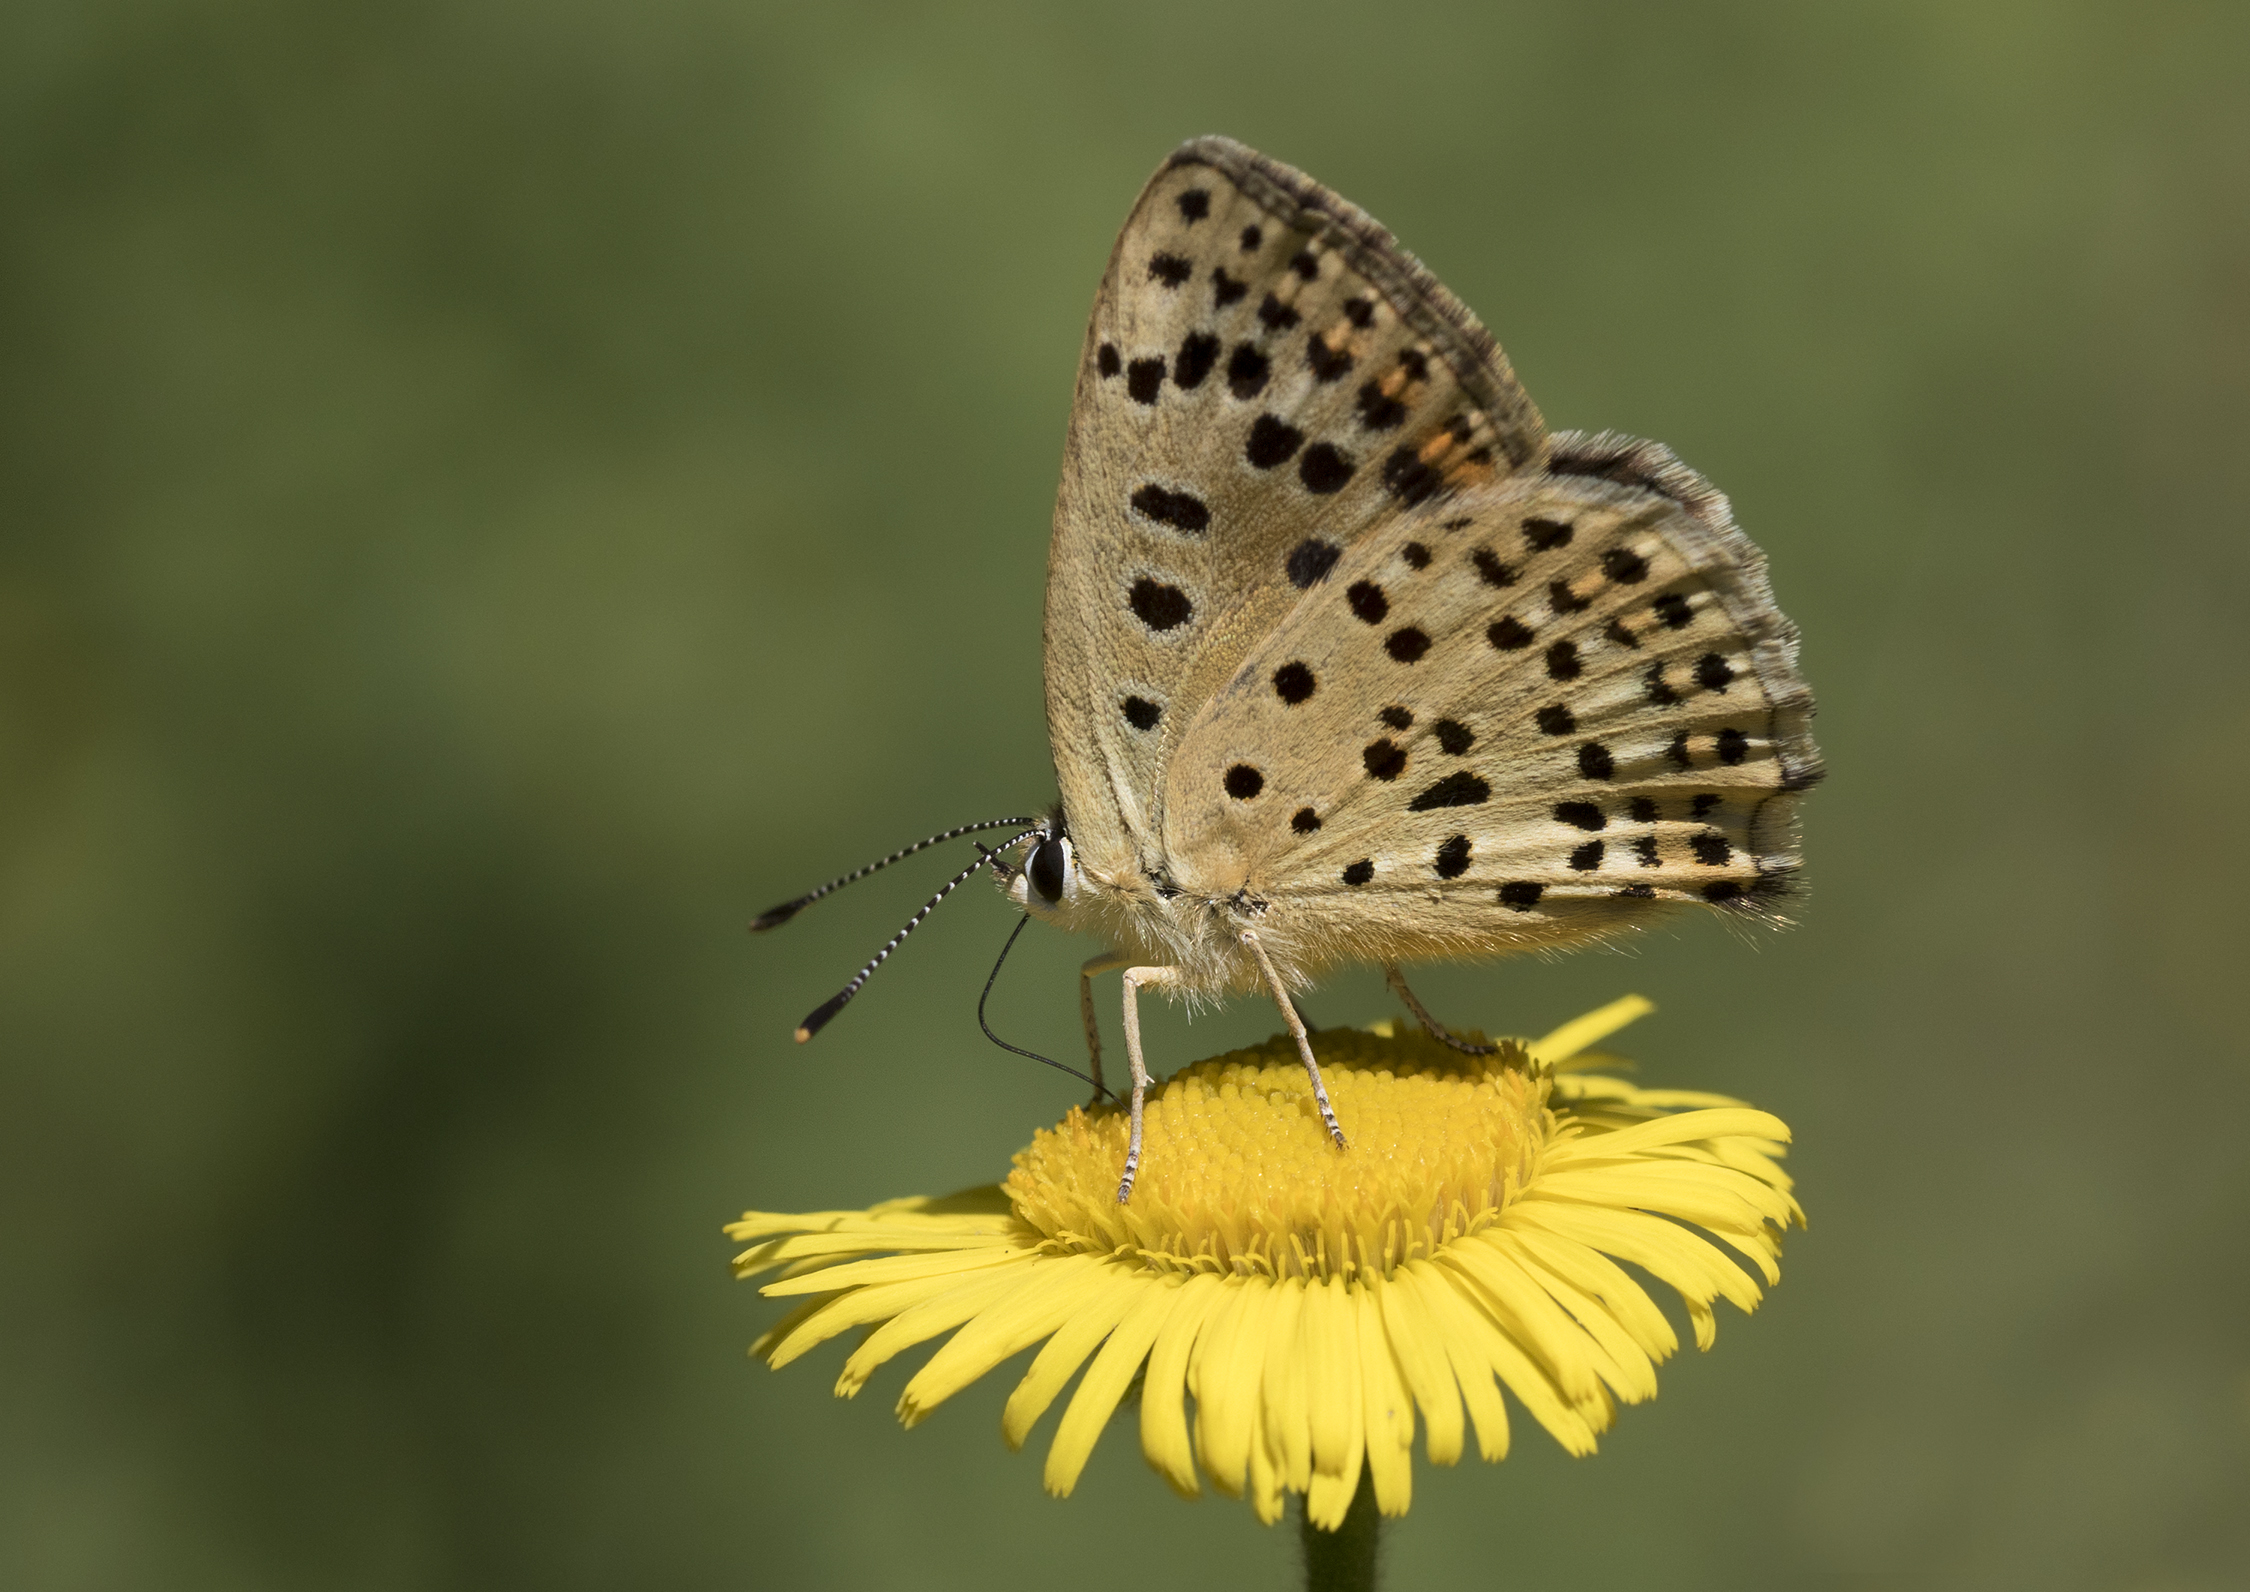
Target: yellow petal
(1526,1312)
(1597,1274)
(894,1268)
(1629,1372)
(1567,1421)
(1328,1341)
(1118,1287)
(1105,1382)
(1643,1188)
(842,1312)
(1591,1029)
(1679,1128)
(1665,1249)
(1227,1370)
(1422,1362)
(926,1320)
(1389,1419)
(1282,1387)
(1264,1487)
(1049,1294)
(1164,1431)
(1472,1369)
(767,1340)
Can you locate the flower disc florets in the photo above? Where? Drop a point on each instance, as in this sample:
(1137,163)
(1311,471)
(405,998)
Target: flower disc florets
(1234,1181)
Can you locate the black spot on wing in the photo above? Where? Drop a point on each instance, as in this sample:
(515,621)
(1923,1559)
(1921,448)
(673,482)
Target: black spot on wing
(1452,858)
(1328,364)
(1160,607)
(1454,736)
(1673,609)
(1734,746)
(1247,370)
(1624,566)
(1397,718)
(1142,379)
(1385,759)
(1377,411)
(1564,600)
(1580,815)
(1141,713)
(1586,858)
(1272,441)
(1194,205)
(1595,762)
(1522,895)
(1563,662)
(1459,789)
(1367,601)
(1170,269)
(1244,782)
(1183,511)
(1416,555)
(1276,315)
(1545,535)
(1324,468)
(1712,850)
(1225,289)
(1252,236)
(1311,560)
(1199,351)
(1360,872)
(1305,263)
(1556,719)
(1107,360)
(1360,311)
(1294,683)
(1409,479)
(1713,672)
(1508,635)
(1490,570)
(1304,821)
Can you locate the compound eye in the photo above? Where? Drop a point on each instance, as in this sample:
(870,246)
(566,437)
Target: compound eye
(1049,865)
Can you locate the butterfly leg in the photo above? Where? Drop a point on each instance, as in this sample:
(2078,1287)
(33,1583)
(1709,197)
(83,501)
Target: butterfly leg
(1297,1031)
(1107,962)
(1135,977)
(1430,1025)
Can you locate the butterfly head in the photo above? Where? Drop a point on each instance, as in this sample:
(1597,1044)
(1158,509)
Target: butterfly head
(1048,883)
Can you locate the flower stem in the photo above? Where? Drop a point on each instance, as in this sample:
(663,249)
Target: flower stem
(1343,1560)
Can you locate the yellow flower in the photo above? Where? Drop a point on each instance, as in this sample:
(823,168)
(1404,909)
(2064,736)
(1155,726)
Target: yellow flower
(1313,1300)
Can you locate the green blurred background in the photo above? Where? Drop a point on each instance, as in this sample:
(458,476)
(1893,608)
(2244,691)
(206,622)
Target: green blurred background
(496,494)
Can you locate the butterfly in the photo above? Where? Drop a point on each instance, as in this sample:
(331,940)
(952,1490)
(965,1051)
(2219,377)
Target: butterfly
(1349,660)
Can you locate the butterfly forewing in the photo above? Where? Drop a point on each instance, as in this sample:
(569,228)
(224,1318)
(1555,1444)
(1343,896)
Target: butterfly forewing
(1527,713)
(1267,382)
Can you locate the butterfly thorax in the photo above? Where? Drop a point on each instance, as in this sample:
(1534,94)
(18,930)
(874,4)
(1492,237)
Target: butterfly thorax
(1161,914)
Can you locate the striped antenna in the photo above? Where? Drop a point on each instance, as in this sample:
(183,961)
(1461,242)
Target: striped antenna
(835,1003)
(775,917)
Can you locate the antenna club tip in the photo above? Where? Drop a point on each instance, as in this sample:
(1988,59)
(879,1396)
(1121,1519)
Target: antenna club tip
(803,1033)
(775,917)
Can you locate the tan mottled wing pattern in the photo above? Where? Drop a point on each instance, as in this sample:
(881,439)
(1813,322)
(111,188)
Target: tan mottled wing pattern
(1523,714)
(1267,382)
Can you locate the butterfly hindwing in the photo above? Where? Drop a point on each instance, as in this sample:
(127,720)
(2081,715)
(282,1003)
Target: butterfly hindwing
(1267,382)
(1525,714)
